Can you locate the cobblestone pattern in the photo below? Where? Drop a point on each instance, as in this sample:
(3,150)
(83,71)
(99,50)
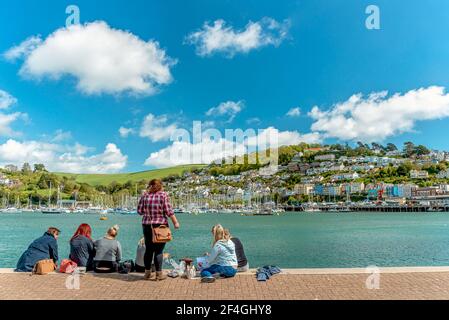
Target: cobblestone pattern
(292,287)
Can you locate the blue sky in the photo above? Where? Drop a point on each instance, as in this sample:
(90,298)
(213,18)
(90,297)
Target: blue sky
(319,53)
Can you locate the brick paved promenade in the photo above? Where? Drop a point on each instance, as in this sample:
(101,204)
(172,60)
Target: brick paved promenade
(395,283)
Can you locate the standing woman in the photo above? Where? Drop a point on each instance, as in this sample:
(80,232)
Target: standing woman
(155,207)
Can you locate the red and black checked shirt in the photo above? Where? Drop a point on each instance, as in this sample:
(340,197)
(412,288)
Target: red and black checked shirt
(155,208)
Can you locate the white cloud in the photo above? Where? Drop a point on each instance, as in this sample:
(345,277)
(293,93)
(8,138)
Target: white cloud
(61,158)
(102,59)
(378,116)
(294,112)
(209,150)
(6,120)
(5,124)
(23,49)
(156,128)
(6,100)
(254,120)
(229,108)
(125,132)
(221,38)
(61,135)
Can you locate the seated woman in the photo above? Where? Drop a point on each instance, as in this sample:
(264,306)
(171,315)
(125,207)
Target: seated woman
(222,260)
(140,257)
(43,248)
(82,249)
(140,254)
(243,265)
(108,252)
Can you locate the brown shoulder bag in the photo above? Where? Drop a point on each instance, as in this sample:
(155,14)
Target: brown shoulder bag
(161,234)
(44,267)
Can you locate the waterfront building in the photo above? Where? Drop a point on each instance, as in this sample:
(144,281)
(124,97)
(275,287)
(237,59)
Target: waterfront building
(332,190)
(425,192)
(304,189)
(444,188)
(354,187)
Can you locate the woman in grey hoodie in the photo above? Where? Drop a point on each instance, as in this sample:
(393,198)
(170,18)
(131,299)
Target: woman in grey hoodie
(222,260)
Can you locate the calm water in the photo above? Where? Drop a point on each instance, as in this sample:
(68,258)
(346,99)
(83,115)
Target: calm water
(290,240)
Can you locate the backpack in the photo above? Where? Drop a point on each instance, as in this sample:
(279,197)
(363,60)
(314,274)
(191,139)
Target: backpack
(126,267)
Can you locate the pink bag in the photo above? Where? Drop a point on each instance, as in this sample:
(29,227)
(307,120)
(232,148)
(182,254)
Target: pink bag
(67,266)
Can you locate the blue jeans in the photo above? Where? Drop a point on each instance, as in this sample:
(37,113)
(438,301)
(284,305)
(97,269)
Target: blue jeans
(226,272)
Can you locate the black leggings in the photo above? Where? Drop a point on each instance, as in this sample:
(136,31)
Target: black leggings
(152,250)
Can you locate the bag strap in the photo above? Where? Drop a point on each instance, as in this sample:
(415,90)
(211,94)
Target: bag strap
(33,272)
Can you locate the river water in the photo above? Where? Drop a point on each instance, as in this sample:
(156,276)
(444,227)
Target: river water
(290,240)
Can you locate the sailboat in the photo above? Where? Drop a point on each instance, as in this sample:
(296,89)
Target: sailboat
(50,210)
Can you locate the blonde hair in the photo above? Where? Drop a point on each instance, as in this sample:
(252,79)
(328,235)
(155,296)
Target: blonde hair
(113,231)
(227,233)
(219,233)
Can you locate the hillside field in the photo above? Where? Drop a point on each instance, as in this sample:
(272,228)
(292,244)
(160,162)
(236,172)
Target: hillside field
(106,179)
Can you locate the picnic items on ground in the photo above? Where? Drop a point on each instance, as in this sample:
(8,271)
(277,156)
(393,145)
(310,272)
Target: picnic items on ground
(67,266)
(202,262)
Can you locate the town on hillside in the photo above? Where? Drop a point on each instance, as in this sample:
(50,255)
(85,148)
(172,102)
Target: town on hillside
(308,178)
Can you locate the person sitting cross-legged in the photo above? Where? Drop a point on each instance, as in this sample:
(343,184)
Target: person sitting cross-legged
(222,259)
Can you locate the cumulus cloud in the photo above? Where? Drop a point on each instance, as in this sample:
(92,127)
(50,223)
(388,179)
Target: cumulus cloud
(100,58)
(294,112)
(6,120)
(210,149)
(222,38)
(6,100)
(23,49)
(228,108)
(125,132)
(59,158)
(61,135)
(5,124)
(378,116)
(156,128)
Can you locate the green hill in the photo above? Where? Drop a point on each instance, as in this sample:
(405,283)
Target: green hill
(106,179)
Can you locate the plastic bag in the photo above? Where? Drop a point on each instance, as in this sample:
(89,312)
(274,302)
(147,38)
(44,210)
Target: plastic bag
(67,266)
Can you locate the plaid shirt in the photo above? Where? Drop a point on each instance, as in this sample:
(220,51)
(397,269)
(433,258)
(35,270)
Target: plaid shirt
(155,208)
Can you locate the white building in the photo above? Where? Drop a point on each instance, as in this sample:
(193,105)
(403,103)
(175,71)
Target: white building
(325,157)
(304,188)
(443,174)
(419,174)
(339,167)
(345,176)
